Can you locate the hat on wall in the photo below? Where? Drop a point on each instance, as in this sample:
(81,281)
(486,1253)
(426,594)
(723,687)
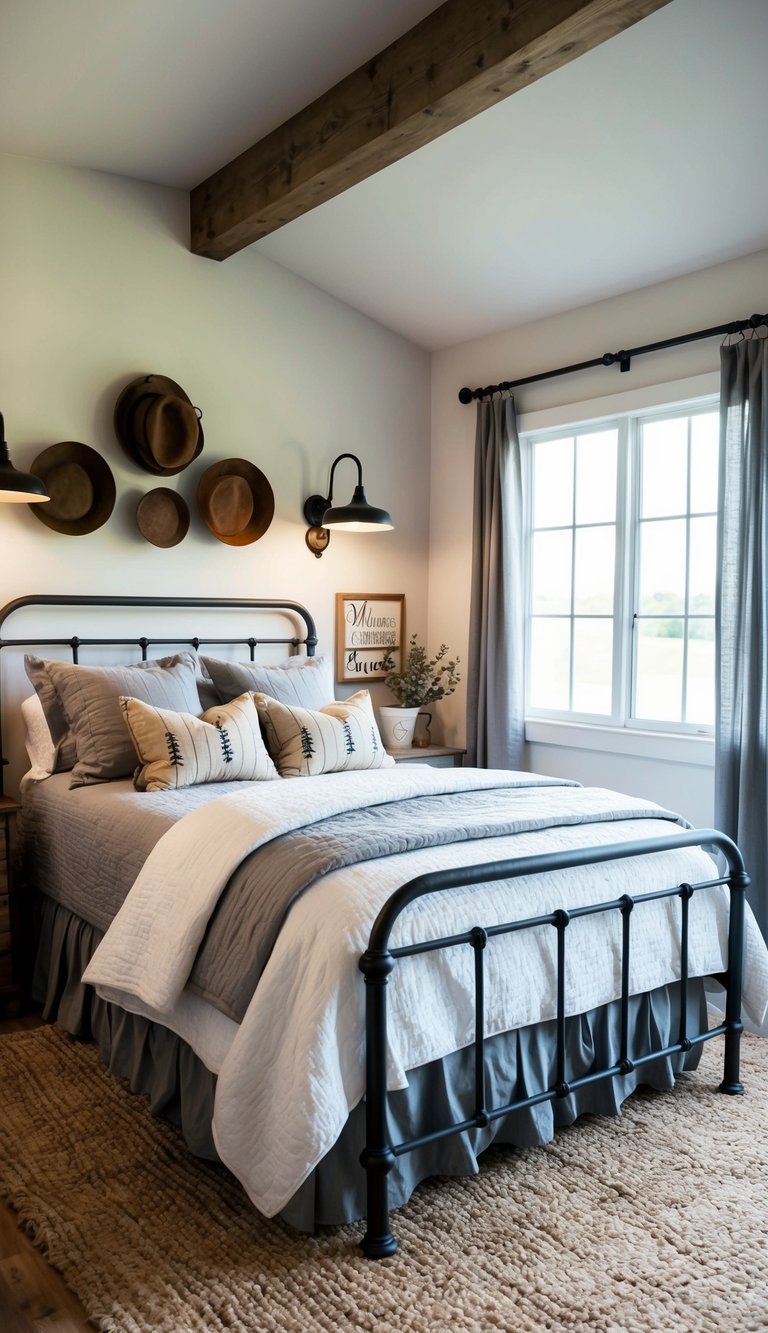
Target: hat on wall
(235,501)
(162,517)
(157,425)
(80,484)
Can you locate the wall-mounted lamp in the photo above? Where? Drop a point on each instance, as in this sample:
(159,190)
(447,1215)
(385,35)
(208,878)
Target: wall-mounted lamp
(17,487)
(357,516)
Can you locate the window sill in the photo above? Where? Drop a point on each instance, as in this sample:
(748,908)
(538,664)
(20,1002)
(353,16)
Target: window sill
(658,745)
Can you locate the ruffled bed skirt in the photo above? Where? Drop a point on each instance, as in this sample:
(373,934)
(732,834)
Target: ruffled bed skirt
(160,1065)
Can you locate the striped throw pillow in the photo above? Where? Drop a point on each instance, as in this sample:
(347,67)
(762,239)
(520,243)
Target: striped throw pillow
(224,744)
(305,742)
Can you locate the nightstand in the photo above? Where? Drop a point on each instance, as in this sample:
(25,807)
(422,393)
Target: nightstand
(437,756)
(10,988)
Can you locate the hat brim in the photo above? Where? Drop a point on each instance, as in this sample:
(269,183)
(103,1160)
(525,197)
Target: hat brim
(133,445)
(102,481)
(261,492)
(162,517)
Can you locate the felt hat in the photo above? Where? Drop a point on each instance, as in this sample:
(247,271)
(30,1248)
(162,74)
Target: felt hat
(80,484)
(235,501)
(157,425)
(162,517)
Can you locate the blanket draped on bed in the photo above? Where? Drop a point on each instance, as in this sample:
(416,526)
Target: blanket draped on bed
(291,1071)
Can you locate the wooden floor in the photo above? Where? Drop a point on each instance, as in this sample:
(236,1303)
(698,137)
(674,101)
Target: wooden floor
(33,1297)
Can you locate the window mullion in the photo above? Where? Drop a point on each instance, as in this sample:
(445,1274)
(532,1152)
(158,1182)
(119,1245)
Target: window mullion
(621,600)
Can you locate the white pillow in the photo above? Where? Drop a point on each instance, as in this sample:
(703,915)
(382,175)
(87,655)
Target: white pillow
(38,740)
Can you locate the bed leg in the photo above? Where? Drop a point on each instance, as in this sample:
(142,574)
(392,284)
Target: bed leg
(738,884)
(377,1157)
(378,1241)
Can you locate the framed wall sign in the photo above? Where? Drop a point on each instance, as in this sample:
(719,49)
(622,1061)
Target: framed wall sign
(368,627)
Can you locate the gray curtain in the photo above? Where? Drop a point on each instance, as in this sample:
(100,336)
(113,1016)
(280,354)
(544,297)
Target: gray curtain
(495,686)
(741,729)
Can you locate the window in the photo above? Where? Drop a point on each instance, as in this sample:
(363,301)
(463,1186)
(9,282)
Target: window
(623,532)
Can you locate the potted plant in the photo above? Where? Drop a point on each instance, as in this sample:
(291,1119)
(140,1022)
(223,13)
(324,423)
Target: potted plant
(420,681)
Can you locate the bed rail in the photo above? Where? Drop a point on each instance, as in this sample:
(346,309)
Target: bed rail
(75,643)
(377,963)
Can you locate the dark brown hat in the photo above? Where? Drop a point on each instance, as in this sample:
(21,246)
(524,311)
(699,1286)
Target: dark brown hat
(162,517)
(158,426)
(80,484)
(236,501)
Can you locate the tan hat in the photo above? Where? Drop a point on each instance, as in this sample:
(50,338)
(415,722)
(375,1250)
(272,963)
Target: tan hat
(80,484)
(235,501)
(162,517)
(158,426)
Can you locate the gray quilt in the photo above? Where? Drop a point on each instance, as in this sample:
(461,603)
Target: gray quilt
(85,848)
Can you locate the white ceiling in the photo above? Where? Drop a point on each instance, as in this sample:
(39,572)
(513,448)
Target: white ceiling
(642,160)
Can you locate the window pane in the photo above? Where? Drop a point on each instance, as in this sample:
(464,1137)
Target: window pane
(659,671)
(703,559)
(662,567)
(665,467)
(593,584)
(592,666)
(596,477)
(705,447)
(701,672)
(551,584)
(552,483)
(550,663)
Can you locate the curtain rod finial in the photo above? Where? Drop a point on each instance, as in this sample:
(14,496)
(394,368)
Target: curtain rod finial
(465,396)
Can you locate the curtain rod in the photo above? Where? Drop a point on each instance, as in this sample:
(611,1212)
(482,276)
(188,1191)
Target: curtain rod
(609,358)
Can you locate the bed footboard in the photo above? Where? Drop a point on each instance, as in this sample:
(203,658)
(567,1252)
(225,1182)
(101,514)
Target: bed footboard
(377,963)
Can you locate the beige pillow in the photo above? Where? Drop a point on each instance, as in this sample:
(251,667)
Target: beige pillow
(90,697)
(304,742)
(181,750)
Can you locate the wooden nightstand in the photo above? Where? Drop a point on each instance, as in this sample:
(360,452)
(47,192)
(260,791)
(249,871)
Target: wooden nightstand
(437,756)
(10,987)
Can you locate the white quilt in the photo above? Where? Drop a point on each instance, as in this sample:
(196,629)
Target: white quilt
(291,1072)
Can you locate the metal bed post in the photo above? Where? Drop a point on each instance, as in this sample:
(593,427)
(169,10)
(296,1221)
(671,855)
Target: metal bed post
(738,884)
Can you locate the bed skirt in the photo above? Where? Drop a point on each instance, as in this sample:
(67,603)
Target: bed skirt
(157,1063)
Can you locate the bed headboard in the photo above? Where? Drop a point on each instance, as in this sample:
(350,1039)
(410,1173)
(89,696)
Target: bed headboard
(263,611)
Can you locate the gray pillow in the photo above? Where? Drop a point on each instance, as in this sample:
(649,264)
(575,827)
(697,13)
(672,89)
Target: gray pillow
(90,695)
(304,682)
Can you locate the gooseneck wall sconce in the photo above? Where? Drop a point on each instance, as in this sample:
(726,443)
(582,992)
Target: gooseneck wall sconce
(357,516)
(17,487)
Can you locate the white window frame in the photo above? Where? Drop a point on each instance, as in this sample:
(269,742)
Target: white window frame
(619,732)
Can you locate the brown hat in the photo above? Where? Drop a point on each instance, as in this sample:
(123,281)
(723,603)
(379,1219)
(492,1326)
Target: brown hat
(158,426)
(80,484)
(236,501)
(162,517)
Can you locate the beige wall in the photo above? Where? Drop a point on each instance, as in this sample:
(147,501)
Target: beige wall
(98,286)
(699,300)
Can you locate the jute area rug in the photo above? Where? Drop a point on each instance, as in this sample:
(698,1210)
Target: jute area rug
(654,1220)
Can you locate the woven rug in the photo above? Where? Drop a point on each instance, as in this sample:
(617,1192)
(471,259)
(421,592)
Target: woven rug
(654,1220)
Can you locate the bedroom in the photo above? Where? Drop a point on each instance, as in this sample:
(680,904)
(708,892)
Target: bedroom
(99,286)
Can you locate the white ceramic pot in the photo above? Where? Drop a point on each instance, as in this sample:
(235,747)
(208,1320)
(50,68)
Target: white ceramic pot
(397,727)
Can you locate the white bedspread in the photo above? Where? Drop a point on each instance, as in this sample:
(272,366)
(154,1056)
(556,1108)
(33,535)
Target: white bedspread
(294,1068)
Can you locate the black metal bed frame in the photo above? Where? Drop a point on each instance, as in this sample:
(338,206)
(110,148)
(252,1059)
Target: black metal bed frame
(175,603)
(380,1154)
(378,962)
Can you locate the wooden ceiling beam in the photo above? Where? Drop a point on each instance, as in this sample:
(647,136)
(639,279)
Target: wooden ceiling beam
(464,57)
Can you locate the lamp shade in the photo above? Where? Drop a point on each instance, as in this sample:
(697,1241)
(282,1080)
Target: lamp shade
(357,516)
(17,487)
